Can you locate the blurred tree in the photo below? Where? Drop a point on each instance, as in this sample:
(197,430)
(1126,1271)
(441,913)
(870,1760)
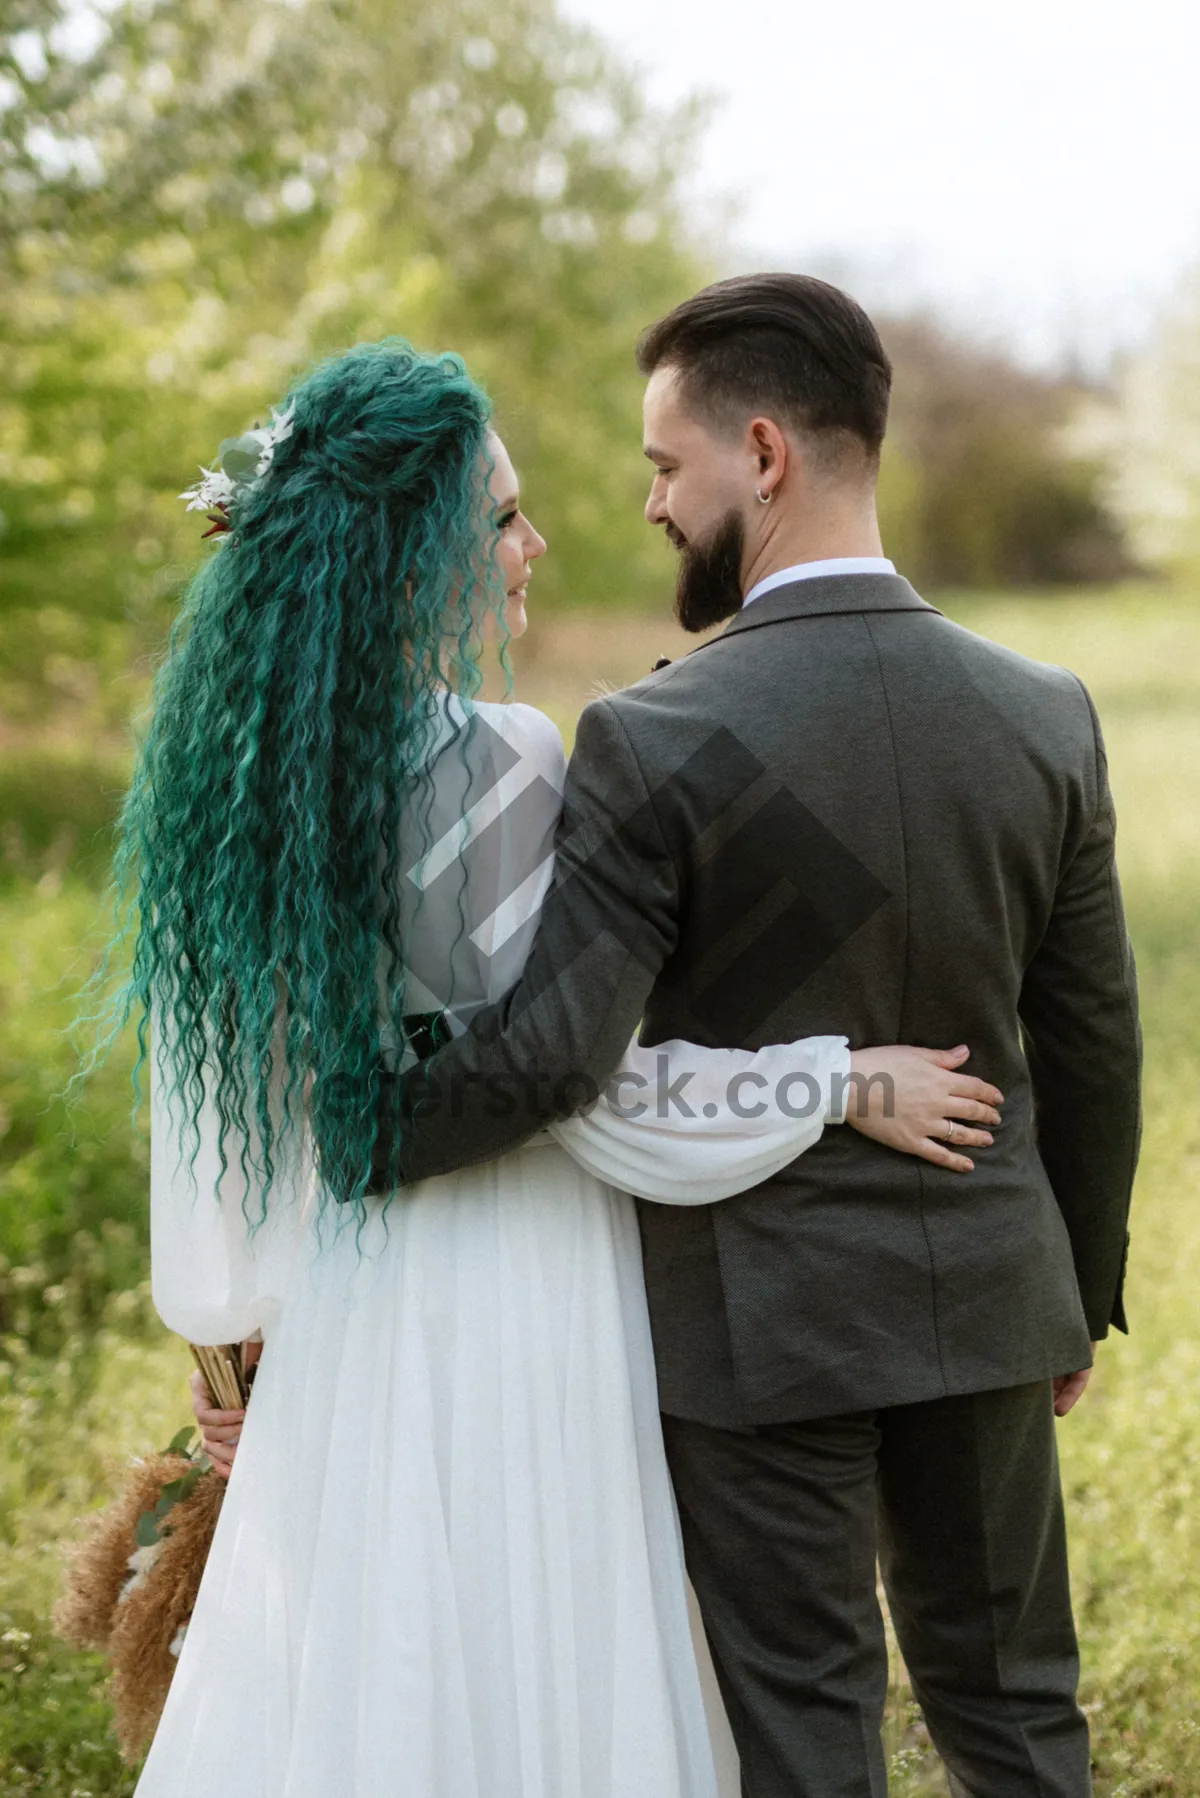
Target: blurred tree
(199,197)
(1155,435)
(982,485)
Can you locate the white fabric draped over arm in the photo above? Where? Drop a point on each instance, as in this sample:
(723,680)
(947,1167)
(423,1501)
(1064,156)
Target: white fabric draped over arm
(213,1278)
(753,1111)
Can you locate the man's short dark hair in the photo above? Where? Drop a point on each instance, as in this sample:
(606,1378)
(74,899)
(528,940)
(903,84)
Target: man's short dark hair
(787,345)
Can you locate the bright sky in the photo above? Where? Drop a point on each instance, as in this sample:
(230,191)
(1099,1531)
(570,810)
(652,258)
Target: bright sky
(1033,167)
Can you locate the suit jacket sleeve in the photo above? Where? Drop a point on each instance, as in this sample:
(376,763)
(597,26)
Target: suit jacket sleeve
(608,924)
(1080,1022)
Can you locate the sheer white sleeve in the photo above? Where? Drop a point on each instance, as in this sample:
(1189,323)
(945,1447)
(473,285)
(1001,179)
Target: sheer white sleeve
(213,1278)
(687,1126)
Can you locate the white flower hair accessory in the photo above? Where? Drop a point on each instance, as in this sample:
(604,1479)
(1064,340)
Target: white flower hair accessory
(240,461)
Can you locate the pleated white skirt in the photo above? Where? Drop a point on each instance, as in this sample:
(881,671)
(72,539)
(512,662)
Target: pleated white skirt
(448,1564)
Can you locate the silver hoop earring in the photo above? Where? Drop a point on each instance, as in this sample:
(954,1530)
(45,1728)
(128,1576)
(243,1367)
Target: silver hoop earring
(764,499)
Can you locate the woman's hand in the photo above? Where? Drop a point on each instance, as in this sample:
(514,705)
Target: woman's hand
(220,1431)
(916,1101)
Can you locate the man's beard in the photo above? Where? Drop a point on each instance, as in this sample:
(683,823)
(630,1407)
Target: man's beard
(709,585)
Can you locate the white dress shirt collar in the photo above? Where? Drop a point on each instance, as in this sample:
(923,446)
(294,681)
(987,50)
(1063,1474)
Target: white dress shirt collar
(810,571)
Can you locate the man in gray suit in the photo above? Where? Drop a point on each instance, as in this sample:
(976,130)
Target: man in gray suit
(843,815)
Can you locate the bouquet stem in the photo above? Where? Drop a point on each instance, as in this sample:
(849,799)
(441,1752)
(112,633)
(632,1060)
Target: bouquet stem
(224,1372)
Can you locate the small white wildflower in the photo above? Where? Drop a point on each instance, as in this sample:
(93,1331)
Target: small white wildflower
(278,431)
(216,489)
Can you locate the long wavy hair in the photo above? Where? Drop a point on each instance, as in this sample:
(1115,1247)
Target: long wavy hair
(259,841)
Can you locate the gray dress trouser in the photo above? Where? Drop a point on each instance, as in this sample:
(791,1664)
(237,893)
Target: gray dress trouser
(960,1498)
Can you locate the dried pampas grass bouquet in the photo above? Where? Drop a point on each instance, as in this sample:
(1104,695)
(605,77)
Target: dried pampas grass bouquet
(133,1579)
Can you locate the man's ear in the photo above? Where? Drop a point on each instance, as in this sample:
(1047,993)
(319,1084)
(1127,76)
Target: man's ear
(769,447)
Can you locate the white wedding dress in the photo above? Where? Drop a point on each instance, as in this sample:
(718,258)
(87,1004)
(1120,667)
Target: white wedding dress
(448,1563)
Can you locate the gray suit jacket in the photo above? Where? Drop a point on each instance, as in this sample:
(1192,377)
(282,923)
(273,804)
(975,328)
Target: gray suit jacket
(844,815)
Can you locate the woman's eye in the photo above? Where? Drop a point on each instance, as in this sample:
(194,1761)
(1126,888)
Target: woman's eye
(504,520)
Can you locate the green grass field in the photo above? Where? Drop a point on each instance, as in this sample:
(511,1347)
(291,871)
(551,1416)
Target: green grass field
(87,1377)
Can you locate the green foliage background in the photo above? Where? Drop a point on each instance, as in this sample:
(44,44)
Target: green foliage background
(198,198)
(223,192)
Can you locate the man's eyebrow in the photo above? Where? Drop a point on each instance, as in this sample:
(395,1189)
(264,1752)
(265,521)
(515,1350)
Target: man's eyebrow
(654,454)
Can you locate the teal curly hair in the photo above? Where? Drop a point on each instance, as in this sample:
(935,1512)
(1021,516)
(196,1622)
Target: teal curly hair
(259,838)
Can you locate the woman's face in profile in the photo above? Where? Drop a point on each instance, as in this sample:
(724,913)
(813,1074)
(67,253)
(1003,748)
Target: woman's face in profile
(517,544)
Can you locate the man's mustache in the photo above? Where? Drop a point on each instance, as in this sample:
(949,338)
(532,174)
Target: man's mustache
(676,537)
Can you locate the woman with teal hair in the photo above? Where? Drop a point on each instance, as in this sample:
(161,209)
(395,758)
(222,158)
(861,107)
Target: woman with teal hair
(448,1563)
